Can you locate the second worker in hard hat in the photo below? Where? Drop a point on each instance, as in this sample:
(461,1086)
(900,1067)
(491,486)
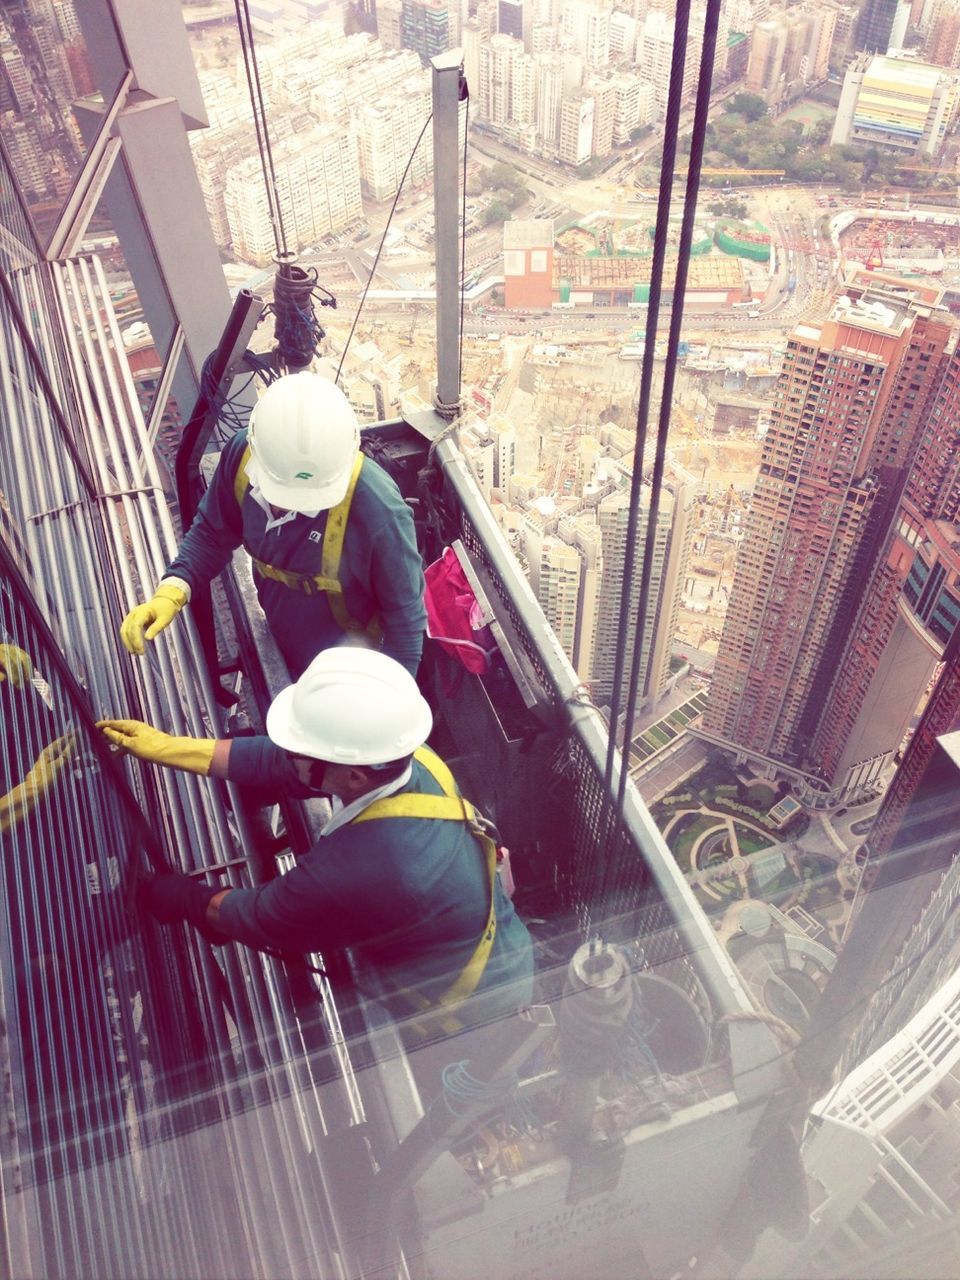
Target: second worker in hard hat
(331,539)
(403,873)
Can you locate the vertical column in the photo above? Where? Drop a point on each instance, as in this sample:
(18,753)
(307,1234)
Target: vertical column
(153,195)
(447,81)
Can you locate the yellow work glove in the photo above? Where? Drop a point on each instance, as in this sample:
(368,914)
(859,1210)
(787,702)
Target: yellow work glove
(144,621)
(15,665)
(48,764)
(45,770)
(194,755)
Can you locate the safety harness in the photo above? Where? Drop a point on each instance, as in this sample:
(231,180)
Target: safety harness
(451,805)
(328,579)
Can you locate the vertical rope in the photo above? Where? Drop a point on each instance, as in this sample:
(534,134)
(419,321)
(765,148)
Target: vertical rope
(697,141)
(260,123)
(383,239)
(606,865)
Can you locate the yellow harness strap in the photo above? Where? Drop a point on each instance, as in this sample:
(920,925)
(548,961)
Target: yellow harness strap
(327,580)
(450,806)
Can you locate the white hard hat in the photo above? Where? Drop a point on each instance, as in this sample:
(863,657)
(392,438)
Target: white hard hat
(304,439)
(351,706)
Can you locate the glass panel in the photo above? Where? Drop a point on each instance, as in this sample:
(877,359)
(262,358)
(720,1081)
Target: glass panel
(145,353)
(89,1046)
(17,243)
(47,68)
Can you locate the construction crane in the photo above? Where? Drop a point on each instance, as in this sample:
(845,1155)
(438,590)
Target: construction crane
(734,173)
(874,258)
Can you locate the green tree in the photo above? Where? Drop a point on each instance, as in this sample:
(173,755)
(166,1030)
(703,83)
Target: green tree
(749,105)
(503,177)
(495,212)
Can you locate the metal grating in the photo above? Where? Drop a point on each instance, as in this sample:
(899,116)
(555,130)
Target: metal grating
(148,1074)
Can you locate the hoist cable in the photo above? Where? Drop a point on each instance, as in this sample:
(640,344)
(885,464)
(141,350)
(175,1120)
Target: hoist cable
(383,240)
(255,91)
(463,232)
(697,142)
(646,381)
(612,812)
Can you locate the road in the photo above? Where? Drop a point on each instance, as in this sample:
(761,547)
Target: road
(791,213)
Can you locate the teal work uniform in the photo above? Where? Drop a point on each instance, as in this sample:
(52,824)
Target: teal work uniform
(381,572)
(410,896)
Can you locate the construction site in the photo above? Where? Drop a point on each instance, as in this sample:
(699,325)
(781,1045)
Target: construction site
(923,243)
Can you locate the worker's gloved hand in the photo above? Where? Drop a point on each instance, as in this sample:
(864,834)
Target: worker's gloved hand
(49,763)
(145,621)
(15,665)
(194,755)
(173,896)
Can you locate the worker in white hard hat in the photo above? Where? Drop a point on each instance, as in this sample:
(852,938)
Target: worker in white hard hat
(331,539)
(404,872)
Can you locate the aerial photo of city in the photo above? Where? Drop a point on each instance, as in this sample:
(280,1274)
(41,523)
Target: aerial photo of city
(701,481)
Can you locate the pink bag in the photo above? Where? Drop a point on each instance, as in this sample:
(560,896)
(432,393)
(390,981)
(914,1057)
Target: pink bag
(454,615)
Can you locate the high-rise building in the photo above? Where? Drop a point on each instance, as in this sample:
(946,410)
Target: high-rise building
(318,182)
(633,107)
(901,21)
(881,1153)
(554,570)
(16,72)
(942,43)
(671,552)
(765,69)
(851,401)
(623,36)
(583,532)
(586,29)
(215,153)
(821,45)
(387,132)
(789,51)
(472,38)
(504,96)
(655,51)
(911,603)
(844,37)
(551,70)
(510,18)
(389,27)
(604,115)
(425,27)
(875,25)
(576,128)
(524,96)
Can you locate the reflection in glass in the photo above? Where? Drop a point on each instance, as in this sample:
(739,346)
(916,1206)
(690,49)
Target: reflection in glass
(47,68)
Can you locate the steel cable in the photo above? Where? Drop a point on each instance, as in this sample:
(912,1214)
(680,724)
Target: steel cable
(383,240)
(606,875)
(255,91)
(698,138)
